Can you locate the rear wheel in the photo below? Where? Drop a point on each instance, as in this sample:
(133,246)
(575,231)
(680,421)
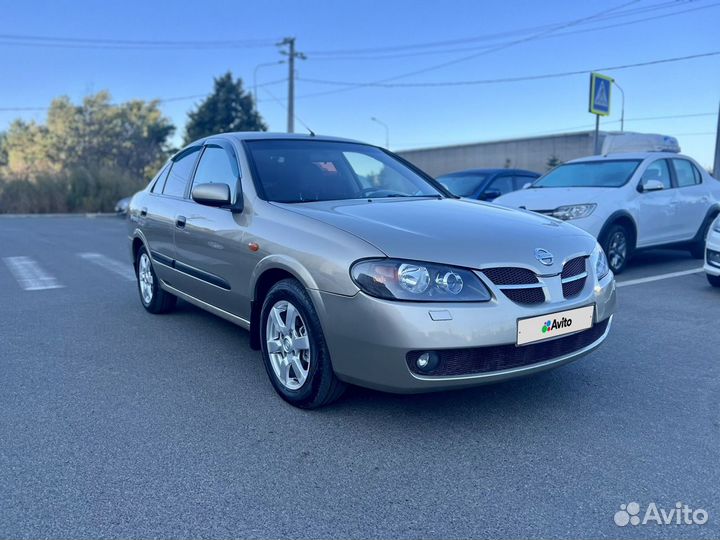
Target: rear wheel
(617,246)
(294,351)
(713,280)
(153,297)
(697,249)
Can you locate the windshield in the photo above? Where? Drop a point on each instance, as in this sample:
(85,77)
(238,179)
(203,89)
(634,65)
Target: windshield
(462,185)
(295,171)
(614,173)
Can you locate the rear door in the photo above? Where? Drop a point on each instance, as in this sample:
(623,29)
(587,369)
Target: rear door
(158,215)
(657,212)
(693,200)
(209,243)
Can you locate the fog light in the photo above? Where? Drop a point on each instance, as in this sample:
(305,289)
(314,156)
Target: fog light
(427,361)
(713,257)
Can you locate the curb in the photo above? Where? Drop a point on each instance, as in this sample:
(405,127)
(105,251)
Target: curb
(87,215)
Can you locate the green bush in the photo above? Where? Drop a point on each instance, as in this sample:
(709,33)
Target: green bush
(79,189)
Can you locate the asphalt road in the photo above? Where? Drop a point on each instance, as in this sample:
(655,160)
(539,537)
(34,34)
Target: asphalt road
(117,423)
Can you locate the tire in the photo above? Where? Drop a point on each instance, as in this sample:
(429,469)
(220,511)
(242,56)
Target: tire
(713,280)
(697,249)
(612,242)
(153,298)
(295,354)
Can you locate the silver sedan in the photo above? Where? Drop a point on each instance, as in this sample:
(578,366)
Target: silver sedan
(349,265)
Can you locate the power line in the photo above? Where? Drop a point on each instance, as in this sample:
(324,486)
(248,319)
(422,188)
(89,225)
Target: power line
(159,100)
(494,36)
(391,56)
(508,79)
(71,42)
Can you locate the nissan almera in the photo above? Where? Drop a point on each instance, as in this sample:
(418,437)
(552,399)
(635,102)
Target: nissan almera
(348,265)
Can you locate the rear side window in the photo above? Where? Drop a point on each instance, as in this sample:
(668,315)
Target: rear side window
(159,180)
(658,170)
(686,173)
(180,172)
(216,167)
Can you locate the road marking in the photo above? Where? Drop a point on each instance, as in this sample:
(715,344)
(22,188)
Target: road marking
(658,277)
(121,269)
(29,275)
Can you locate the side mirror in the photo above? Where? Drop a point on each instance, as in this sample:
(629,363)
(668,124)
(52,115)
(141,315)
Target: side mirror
(490,195)
(652,185)
(527,185)
(212,194)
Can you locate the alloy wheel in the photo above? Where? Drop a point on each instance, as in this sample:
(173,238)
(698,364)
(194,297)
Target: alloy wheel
(145,278)
(617,250)
(288,345)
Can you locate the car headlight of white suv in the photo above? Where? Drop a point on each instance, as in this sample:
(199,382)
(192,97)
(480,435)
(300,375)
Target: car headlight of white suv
(573,211)
(601,263)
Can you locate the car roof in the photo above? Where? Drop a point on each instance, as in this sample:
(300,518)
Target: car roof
(265,135)
(488,171)
(629,155)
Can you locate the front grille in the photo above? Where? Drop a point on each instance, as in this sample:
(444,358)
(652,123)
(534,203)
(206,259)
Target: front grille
(510,276)
(530,296)
(574,267)
(573,288)
(455,362)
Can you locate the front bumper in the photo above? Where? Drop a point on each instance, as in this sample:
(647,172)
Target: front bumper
(369,338)
(713,245)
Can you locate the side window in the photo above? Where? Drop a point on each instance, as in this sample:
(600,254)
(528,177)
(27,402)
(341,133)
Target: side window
(179,174)
(658,170)
(216,167)
(159,180)
(686,173)
(521,180)
(501,184)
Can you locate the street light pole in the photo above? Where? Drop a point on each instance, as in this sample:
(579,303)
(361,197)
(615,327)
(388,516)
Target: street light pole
(387,131)
(622,106)
(255,75)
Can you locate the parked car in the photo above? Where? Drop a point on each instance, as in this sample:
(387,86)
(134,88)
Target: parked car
(712,254)
(628,201)
(349,265)
(121,208)
(486,184)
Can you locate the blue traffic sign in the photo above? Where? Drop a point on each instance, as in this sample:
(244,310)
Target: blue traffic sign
(600,94)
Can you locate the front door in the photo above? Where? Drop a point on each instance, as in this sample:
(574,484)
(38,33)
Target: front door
(657,209)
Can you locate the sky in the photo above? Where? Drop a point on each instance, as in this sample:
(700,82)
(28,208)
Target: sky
(364,41)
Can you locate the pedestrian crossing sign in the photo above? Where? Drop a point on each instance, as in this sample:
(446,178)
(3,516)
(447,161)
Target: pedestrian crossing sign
(600,94)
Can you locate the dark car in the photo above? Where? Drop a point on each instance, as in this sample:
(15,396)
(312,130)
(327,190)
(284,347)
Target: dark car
(486,184)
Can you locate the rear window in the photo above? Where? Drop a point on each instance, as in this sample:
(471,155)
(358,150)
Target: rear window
(611,173)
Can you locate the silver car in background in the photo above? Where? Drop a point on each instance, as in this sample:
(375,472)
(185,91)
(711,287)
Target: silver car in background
(349,265)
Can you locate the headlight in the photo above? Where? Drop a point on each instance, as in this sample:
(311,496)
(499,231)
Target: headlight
(573,211)
(601,264)
(393,279)
(716,225)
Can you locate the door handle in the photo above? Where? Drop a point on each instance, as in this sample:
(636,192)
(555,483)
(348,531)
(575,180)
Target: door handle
(143,212)
(180,222)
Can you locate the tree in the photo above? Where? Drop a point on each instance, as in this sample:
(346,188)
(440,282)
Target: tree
(130,137)
(228,108)
(552,162)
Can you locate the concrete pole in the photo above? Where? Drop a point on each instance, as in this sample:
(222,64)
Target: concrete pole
(716,165)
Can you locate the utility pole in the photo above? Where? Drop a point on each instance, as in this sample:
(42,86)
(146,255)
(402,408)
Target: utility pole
(387,131)
(292,55)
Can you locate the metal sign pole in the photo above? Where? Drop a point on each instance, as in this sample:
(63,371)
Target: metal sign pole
(597,134)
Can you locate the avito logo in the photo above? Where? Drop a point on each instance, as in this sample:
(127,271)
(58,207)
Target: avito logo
(565,322)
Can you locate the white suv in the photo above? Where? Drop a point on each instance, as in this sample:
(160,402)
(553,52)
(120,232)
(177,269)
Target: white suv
(629,201)
(712,255)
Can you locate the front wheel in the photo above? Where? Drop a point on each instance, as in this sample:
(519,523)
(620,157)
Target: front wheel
(294,351)
(713,280)
(616,244)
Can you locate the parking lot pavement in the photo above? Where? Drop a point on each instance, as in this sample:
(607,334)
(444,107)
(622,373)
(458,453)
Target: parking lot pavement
(117,423)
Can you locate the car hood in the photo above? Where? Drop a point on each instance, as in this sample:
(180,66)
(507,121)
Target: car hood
(458,232)
(551,198)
